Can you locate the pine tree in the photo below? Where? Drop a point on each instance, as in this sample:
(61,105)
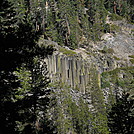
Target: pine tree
(32,96)
(121,115)
(7,79)
(18,45)
(97,98)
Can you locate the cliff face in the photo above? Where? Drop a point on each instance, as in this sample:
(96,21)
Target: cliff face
(91,67)
(85,81)
(73,67)
(70,70)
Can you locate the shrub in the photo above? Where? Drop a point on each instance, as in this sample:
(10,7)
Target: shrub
(115,17)
(116,58)
(131,56)
(115,28)
(107,50)
(132,61)
(67,52)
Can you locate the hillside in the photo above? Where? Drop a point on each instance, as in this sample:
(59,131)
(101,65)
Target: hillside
(67,66)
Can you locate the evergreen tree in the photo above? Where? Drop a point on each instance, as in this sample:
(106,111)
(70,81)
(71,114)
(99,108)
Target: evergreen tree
(121,115)
(32,96)
(8,108)
(97,98)
(18,45)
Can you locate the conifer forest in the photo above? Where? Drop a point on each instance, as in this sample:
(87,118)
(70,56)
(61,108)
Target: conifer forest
(66,66)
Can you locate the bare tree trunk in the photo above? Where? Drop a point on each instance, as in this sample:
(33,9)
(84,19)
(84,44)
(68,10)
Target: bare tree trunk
(115,7)
(68,33)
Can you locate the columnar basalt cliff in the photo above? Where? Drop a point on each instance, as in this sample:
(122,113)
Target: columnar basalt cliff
(73,68)
(72,71)
(67,66)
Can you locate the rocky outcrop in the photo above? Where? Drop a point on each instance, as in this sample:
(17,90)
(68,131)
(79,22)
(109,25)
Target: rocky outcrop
(121,44)
(72,71)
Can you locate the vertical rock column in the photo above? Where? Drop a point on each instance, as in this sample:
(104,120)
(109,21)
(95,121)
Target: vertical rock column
(68,70)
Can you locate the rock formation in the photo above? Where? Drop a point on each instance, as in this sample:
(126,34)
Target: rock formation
(70,70)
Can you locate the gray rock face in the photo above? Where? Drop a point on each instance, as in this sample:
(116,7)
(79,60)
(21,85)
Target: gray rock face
(113,51)
(122,44)
(68,70)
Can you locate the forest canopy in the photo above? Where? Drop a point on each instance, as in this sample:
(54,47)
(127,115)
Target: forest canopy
(28,103)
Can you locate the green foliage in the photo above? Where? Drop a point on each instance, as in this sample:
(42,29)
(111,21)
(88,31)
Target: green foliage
(115,28)
(24,77)
(81,117)
(67,21)
(107,50)
(19,47)
(97,31)
(24,95)
(114,77)
(67,52)
(116,58)
(33,93)
(119,9)
(100,124)
(107,28)
(132,61)
(120,117)
(115,17)
(132,58)
(97,98)
(70,114)
(113,81)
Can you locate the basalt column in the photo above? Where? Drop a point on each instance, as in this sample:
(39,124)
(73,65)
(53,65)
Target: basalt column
(69,70)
